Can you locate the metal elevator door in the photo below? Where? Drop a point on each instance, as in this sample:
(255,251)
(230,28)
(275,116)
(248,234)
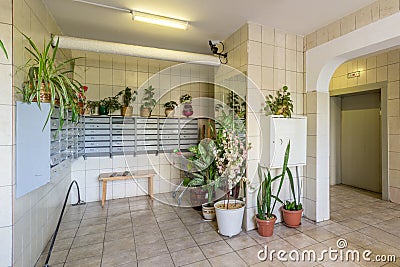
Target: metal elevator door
(361,141)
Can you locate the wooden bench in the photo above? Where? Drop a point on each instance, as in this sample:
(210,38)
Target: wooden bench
(117,176)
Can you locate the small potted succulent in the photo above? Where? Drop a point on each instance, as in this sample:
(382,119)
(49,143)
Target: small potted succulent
(128,97)
(169,107)
(281,104)
(186,100)
(148,102)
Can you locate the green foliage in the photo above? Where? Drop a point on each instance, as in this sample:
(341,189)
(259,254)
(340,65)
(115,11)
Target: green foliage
(266,200)
(185,99)
(111,103)
(91,105)
(44,72)
(282,104)
(3,49)
(295,204)
(237,104)
(128,96)
(170,105)
(148,99)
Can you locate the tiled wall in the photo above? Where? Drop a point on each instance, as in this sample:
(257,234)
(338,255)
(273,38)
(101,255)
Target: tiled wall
(35,214)
(373,12)
(106,75)
(383,67)
(6,136)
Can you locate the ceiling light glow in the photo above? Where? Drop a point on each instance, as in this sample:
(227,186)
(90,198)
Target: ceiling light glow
(159,20)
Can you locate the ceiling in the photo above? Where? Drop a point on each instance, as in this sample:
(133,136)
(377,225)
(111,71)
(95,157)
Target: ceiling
(208,19)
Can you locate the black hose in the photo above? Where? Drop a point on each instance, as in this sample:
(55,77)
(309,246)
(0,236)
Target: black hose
(79,202)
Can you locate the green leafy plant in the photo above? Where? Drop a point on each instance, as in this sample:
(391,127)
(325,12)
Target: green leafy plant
(266,200)
(295,204)
(282,104)
(185,99)
(3,48)
(128,96)
(111,103)
(92,105)
(48,77)
(170,105)
(148,100)
(237,104)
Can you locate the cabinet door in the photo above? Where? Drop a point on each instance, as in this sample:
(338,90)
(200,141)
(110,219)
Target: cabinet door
(32,148)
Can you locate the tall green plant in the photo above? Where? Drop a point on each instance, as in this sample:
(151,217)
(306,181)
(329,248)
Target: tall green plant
(44,73)
(4,49)
(148,99)
(266,200)
(128,96)
(295,204)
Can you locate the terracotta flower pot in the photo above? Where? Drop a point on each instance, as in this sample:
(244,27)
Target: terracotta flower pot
(45,96)
(145,112)
(266,227)
(168,111)
(291,218)
(127,111)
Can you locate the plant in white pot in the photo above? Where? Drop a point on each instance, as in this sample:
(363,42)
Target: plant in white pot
(231,166)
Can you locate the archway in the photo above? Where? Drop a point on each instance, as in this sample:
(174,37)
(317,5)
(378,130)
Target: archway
(321,63)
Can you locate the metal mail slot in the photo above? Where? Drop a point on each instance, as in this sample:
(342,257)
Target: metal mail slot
(123,149)
(173,121)
(97,144)
(123,126)
(146,126)
(146,143)
(97,120)
(164,137)
(97,137)
(97,126)
(189,126)
(168,148)
(169,132)
(63,134)
(97,132)
(146,148)
(123,137)
(186,131)
(169,126)
(123,143)
(123,131)
(97,150)
(169,142)
(147,137)
(146,120)
(55,123)
(186,136)
(146,132)
(184,146)
(183,141)
(123,120)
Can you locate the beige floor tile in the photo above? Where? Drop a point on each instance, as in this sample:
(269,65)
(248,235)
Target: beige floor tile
(358,239)
(151,250)
(203,263)
(175,233)
(187,256)
(199,228)
(91,230)
(85,262)
(86,240)
(284,231)
(180,243)
(92,221)
(228,260)
(319,234)
(78,253)
(117,246)
(64,244)
(164,259)
(207,237)
(241,241)
(119,258)
(261,239)
(300,241)
(216,249)
(118,234)
(354,224)
(57,257)
(250,255)
(337,228)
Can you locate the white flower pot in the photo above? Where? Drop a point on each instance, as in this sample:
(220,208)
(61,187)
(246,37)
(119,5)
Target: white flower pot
(229,220)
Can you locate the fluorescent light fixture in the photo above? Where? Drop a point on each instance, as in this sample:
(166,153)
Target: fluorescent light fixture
(159,20)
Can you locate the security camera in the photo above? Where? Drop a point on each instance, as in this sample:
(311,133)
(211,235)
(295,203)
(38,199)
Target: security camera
(217,48)
(214,42)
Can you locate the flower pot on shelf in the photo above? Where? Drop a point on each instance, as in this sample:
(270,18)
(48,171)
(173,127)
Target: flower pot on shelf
(127,111)
(229,220)
(103,110)
(45,96)
(208,211)
(291,218)
(187,110)
(168,111)
(145,112)
(266,227)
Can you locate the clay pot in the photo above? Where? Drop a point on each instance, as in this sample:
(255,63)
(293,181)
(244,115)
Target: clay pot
(292,218)
(208,211)
(145,112)
(266,227)
(127,111)
(168,111)
(45,96)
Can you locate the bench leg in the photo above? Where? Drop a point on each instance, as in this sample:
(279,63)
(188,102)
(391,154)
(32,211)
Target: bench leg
(150,188)
(104,194)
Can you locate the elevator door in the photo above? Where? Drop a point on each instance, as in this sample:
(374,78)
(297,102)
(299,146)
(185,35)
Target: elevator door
(361,141)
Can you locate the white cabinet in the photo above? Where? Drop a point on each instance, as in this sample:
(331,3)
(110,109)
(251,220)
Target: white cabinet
(276,132)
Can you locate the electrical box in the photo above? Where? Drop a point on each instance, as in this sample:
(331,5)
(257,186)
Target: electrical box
(32,147)
(276,132)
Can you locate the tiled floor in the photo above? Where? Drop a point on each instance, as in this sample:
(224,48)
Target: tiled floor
(131,232)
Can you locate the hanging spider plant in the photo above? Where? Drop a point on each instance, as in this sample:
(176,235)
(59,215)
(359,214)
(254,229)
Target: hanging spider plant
(49,81)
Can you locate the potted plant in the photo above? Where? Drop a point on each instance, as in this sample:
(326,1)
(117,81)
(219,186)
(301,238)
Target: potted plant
(3,49)
(186,100)
(231,165)
(50,82)
(128,97)
(282,104)
(292,210)
(82,99)
(103,107)
(148,102)
(266,201)
(91,106)
(112,104)
(169,107)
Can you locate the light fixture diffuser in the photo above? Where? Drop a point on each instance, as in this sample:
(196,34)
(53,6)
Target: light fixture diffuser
(159,20)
